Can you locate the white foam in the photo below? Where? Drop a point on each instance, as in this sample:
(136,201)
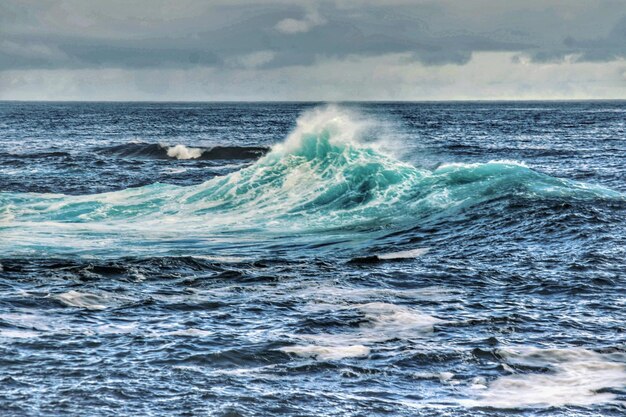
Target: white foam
(478,164)
(577,377)
(406,254)
(18,334)
(383,322)
(443,377)
(114,329)
(83,300)
(183,152)
(387,321)
(328,353)
(33,325)
(6,214)
(329,297)
(174,170)
(226,259)
(191,332)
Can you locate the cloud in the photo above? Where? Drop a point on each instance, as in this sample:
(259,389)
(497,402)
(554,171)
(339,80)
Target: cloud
(262,39)
(290,25)
(606,48)
(160,33)
(488,75)
(252,60)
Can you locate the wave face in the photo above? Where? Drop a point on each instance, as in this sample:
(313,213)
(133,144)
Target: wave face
(322,178)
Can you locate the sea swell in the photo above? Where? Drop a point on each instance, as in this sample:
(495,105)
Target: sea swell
(323,178)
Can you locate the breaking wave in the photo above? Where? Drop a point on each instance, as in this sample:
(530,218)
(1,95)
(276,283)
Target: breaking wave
(159,151)
(322,178)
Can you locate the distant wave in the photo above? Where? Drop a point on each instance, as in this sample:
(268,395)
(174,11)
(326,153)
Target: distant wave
(159,151)
(320,179)
(36,155)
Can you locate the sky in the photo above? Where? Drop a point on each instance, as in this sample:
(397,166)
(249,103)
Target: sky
(193,50)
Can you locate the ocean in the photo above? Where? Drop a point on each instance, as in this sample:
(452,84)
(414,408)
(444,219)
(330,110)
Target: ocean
(313,259)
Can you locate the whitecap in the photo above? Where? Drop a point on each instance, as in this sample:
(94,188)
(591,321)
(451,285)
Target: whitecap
(183,152)
(406,254)
(328,353)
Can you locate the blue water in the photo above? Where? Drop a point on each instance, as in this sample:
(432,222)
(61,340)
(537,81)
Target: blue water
(313,259)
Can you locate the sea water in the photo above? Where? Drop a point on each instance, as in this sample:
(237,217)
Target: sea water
(312,258)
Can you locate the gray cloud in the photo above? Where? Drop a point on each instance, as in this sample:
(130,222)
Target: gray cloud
(76,34)
(607,48)
(312,50)
(291,25)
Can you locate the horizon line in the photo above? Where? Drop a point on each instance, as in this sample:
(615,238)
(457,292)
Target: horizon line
(324,101)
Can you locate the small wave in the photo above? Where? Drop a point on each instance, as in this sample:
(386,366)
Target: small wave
(158,151)
(191,332)
(174,170)
(391,256)
(83,300)
(405,254)
(37,155)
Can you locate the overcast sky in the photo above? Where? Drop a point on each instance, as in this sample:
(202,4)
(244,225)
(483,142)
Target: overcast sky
(305,50)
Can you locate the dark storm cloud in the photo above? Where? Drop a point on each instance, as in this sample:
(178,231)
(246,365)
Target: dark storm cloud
(605,48)
(76,34)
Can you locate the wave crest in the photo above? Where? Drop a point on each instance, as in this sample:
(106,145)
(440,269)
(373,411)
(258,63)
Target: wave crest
(140,150)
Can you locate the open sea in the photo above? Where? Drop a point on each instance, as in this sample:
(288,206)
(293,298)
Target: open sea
(307,259)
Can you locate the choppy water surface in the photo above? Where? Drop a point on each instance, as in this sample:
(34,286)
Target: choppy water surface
(306,259)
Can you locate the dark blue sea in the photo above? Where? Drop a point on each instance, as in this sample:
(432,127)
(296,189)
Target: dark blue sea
(313,259)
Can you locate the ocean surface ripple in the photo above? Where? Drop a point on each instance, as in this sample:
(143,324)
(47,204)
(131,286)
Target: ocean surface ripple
(313,259)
